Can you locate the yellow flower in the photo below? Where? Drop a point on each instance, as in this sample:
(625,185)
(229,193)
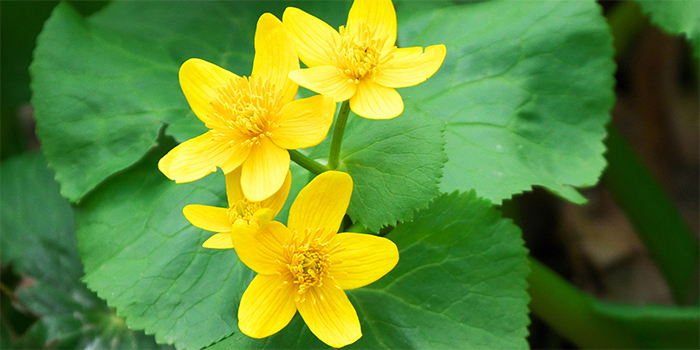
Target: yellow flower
(307,266)
(361,61)
(253,121)
(241,212)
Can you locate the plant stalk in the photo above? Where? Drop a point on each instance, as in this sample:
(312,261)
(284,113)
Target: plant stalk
(306,162)
(334,156)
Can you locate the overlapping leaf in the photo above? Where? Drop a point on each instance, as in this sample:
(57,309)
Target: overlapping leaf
(459,284)
(526,89)
(38,237)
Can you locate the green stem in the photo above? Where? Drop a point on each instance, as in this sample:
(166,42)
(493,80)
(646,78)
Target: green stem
(656,220)
(590,323)
(334,157)
(306,162)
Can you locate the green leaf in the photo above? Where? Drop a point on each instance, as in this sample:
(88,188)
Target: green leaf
(396,166)
(459,284)
(147,261)
(526,89)
(104,86)
(676,17)
(38,238)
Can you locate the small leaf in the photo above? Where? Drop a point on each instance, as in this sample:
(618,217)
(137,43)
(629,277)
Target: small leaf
(676,17)
(38,237)
(526,89)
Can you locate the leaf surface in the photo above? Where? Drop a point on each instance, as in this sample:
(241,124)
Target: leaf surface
(38,238)
(526,91)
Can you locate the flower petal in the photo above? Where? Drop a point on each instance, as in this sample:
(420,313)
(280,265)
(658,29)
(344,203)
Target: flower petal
(262,251)
(304,123)
(374,101)
(200,81)
(276,201)
(410,66)
(234,193)
(326,80)
(197,157)
(275,55)
(267,306)
(330,315)
(208,218)
(220,240)
(378,15)
(363,259)
(322,203)
(315,40)
(264,171)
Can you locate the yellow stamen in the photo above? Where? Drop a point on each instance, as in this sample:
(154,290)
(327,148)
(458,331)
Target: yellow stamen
(308,263)
(243,209)
(245,111)
(358,55)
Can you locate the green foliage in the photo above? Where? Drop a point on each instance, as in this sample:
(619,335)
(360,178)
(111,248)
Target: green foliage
(526,91)
(676,17)
(459,284)
(38,239)
(395,165)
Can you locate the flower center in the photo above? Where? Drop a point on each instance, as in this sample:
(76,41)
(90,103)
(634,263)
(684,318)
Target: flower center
(308,264)
(358,54)
(242,210)
(245,111)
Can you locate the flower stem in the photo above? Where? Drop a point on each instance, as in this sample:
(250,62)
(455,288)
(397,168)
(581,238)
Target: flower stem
(306,162)
(334,157)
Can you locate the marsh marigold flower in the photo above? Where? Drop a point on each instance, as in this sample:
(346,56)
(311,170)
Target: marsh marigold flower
(253,121)
(241,212)
(307,266)
(361,61)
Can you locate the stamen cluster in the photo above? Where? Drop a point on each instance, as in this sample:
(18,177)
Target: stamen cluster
(243,209)
(245,111)
(359,54)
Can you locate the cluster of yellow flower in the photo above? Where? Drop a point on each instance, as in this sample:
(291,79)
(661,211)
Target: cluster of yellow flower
(254,120)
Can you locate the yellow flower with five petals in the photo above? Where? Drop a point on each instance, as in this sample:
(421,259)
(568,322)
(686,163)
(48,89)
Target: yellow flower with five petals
(240,214)
(253,121)
(360,62)
(307,265)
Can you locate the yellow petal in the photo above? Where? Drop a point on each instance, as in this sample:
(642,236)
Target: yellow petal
(378,15)
(200,81)
(362,260)
(262,251)
(264,216)
(264,171)
(322,203)
(410,66)
(267,306)
(276,201)
(219,241)
(374,101)
(207,217)
(275,55)
(315,40)
(325,80)
(234,193)
(197,157)
(304,123)
(330,315)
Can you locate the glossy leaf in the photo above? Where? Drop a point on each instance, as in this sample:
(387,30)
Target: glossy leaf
(526,89)
(38,238)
